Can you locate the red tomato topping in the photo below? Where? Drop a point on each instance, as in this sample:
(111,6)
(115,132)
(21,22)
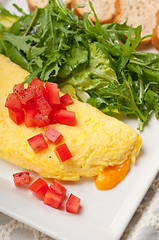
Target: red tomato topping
(53,135)
(18,88)
(62,152)
(43,106)
(53,199)
(26,95)
(29,117)
(52,92)
(16,115)
(66,99)
(39,188)
(66,117)
(40,120)
(58,188)
(38,87)
(37,143)
(73,204)
(21,178)
(13,102)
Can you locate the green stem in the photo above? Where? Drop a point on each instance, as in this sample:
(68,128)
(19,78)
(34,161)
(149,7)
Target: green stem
(32,21)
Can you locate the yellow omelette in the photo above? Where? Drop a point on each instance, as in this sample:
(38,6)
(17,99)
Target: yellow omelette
(95,142)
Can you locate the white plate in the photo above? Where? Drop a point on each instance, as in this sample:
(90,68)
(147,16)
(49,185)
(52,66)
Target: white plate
(104,214)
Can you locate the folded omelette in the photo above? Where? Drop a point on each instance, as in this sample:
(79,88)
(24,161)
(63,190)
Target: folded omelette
(95,142)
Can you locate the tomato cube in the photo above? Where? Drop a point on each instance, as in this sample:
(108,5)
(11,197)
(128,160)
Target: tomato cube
(53,135)
(37,143)
(58,188)
(18,88)
(38,87)
(40,120)
(12,102)
(66,117)
(53,199)
(66,99)
(43,106)
(39,188)
(55,109)
(62,152)
(21,178)
(26,95)
(73,204)
(16,115)
(52,92)
(29,117)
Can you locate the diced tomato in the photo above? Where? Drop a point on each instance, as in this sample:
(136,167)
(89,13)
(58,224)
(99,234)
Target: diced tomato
(62,152)
(52,92)
(53,135)
(37,143)
(58,107)
(40,120)
(66,99)
(52,117)
(18,88)
(16,115)
(73,204)
(38,87)
(53,199)
(26,95)
(21,178)
(30,105)
(66,117)
(39,188)
(43,106)
(13,102)
(29,117)
(58,188)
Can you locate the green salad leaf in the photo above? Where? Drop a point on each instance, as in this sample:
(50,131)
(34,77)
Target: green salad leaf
(95,63)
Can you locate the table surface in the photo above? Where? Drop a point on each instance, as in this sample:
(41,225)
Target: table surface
(143,226)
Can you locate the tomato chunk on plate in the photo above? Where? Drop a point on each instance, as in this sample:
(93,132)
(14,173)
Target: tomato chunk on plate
(13,102)
(58,188)
(52,92)
(29,117)
(26,95)
(53,135)
(37,143)
(66,117)
(62,152)
(16,115)
(53,199)
(38,86)
(73,204)
(43,106)
(18,88)
(21,178)
(40,120)
(39,188)
(66,99)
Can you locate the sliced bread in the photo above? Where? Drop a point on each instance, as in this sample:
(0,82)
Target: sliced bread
(42,3)
(138,12)
(105,9)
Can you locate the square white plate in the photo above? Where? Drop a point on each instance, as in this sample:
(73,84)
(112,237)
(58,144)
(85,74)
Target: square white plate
(104,214)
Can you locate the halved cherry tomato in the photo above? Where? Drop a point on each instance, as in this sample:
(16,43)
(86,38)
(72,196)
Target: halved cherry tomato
(29,117)
(66,117)
(21,178)
(43,106)
(53,199)
(37,143)
(53,135)
(58,188)
(73,204)
(52,92)
(66,99)
(16,115)
(18,88)
(62,152)
(39,188)
(13,102)
(40,120)
(38,87)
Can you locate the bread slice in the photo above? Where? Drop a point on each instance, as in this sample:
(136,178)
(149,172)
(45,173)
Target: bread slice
(42,3)
(105,9)
(138,12)
(155,38)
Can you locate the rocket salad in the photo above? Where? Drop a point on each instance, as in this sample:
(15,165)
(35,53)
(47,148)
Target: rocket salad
(97,63)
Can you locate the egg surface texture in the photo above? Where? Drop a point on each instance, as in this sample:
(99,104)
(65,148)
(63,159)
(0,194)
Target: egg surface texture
(95,142)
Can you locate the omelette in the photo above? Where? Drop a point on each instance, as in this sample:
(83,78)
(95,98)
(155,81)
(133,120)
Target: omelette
(95,142)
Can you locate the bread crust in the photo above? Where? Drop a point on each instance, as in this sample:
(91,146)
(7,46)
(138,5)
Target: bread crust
(155,38)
